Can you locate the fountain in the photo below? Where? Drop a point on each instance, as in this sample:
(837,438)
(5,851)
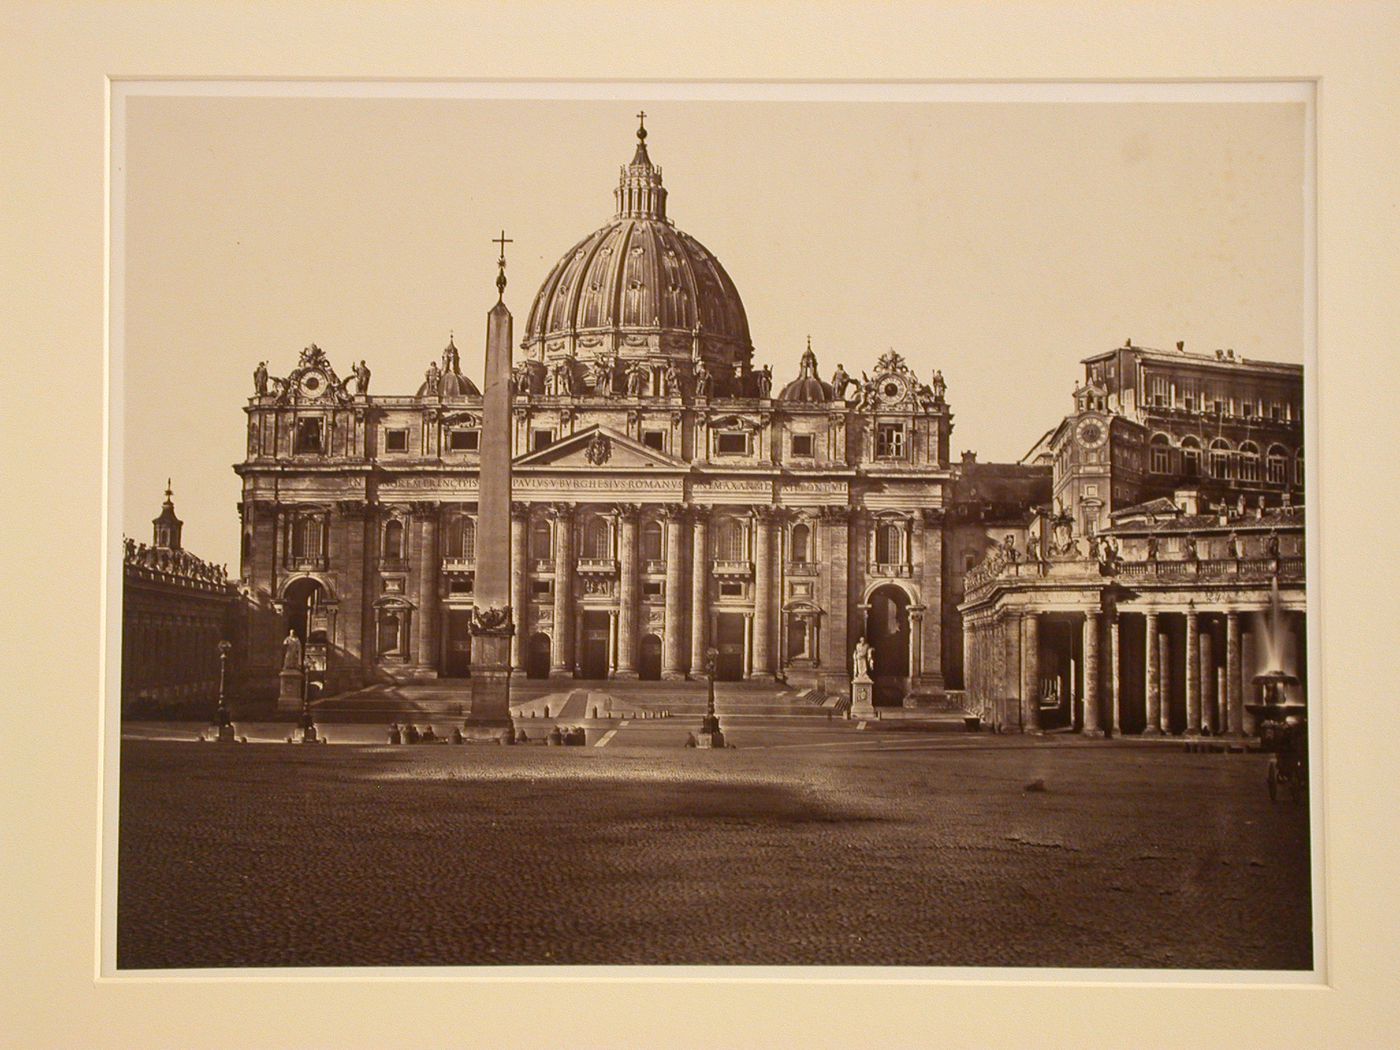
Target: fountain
(1274,686)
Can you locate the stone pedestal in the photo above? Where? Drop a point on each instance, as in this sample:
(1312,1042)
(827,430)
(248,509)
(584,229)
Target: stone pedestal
(293,686)
(710,735)
(490,719)
(227,734)
(863,698)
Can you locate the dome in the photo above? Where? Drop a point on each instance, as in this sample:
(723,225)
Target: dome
(447,380)
(638,286)
(807,387)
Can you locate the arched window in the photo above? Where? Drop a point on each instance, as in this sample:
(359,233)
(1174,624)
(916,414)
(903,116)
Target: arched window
(393,540)
(651,541)
(1219,463)
(1298,469)
(889,547)
(1190,457)
(1277,465)
(541,540)
(1249,461)
(597,539)
(729,541)
(1160,458)
(461,540)
(306,537)
(247,546)
(798,544)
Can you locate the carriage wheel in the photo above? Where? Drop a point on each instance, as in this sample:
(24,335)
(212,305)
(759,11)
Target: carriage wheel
(1273,781)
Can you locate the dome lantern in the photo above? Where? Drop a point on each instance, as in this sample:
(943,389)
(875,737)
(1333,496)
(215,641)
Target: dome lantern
(639,192)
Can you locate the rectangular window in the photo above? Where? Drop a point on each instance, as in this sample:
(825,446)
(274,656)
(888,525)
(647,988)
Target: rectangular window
(307,436)
(802,444)
(889,441)
(465,440)
(651,588)
(460,585)
(541,588)
(396,441)
(732,443)
(731,590)
(654,439)
(541,439)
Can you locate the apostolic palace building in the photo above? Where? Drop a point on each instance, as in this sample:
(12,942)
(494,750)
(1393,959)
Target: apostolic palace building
(669,495)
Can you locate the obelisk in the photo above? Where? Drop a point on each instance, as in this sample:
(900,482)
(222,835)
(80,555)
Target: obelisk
(493,621)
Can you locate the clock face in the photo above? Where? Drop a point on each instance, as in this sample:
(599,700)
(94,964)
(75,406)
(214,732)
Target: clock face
(313,383)
(1091,433)
(891,388)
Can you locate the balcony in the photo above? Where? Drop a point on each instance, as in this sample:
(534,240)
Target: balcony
(733,569)
(320,563)
(459,564)
(896,569)
(654,566)
(596,567)
(801,568)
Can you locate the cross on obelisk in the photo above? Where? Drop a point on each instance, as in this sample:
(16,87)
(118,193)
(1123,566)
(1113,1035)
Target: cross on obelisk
(493,619)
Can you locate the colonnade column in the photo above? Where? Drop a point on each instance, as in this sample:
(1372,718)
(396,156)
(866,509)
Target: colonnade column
(519,582)
(1030,671)
(1154,678)
(1164,643)
(627,591)
(1233,697)
(561,653)
(672,645)
(1115,672)
(1193,670)
(1210,712)
(969,686)
(748,644)
(699,591)
(1092,725)
(763,593)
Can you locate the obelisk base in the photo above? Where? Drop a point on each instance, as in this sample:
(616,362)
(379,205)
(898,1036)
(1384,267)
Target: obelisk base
(489,720)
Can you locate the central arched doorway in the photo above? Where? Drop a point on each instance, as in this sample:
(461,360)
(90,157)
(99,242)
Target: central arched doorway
(649,658)
(300,603)
(537,656)
(887,631)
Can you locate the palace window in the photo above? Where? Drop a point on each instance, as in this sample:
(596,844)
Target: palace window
(1219,462)
(651,541)
(541,540)
(541,439)
(464,440)
(306,439)
(1249,461)
(802,445)
(1277,465)
(654,439)
(1160,460)
(1190,457)
(651,588)
(461,539)
(396,441)
(393,540)
(597,539)
(1298,469)
(729,541)
(889,543)
(732,443)
(889,441)
(541,588)
(798,544)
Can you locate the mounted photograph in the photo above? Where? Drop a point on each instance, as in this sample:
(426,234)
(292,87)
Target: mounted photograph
(875,544)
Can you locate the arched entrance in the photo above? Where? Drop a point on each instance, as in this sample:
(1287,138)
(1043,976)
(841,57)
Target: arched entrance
(887,631)
(649,658)
(593,660)
(300,602)
(537,656)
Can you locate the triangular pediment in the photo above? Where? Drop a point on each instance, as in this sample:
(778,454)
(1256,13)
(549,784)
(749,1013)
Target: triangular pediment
(599,448)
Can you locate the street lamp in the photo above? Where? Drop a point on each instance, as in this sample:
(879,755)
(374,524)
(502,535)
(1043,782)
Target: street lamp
(710,735)
(221,713)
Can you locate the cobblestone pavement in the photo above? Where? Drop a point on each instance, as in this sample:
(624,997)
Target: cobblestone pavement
(893,852)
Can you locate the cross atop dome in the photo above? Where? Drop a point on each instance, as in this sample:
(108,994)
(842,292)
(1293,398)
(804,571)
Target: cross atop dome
(639,192)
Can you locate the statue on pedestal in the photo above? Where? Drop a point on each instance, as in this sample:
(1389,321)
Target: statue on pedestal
(291,652)
(863,660)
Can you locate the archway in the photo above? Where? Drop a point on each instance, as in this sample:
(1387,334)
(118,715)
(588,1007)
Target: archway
(593,660)
(537,656)
(301,598)
(649,658)
(887,631)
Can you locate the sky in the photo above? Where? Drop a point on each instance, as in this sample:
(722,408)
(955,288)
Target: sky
(998,242)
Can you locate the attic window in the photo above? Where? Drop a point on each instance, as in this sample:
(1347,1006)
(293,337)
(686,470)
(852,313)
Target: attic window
(307,437)
(654,439)
(732,443)
(465,440)
(396,441)
(802,444)
(541,439)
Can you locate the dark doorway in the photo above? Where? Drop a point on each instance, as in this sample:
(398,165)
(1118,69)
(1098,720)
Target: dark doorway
(593,661)
(729,640)
(887,631)
(649,658)
(537,657)
(457,661)
(302,598)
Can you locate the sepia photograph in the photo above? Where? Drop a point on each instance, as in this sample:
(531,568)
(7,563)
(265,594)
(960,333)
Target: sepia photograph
(860,527)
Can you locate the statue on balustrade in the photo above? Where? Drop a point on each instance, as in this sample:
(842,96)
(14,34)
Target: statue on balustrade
(1271,543)
(361,372)
(260,379)
(764,381)
(1188,546)
(703,380)
(840,379)
(1152,548)
(636,380)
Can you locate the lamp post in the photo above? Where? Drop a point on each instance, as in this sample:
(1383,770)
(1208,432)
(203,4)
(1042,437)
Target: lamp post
(308,727)
(225,647)
(710,735)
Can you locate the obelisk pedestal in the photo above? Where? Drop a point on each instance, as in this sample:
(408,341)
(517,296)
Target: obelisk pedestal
(493,622)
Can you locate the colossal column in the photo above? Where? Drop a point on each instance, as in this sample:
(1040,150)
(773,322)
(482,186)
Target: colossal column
(699,590)
(763,593)
(1233,697)
(1154,678)
(1164,669)
(493,621)
(672,645)
(426,630)
(1115,669)
(1092,725)
(1210,711)
(561,654)
(627,602)
(1193,671)
(1030,671)
(519,580)
(835,568)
